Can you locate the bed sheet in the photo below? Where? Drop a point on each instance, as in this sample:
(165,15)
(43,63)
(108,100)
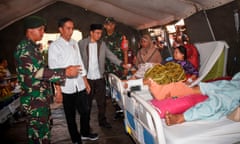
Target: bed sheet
(223,131)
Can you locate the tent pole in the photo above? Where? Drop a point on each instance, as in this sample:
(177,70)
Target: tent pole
(209,25)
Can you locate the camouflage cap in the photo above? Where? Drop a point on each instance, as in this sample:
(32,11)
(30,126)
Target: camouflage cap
(34,22)
(109,20)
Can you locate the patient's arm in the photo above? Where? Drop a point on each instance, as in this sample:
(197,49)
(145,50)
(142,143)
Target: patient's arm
(163,91)
(191,79)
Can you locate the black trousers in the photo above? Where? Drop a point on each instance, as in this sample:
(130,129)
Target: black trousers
(98,91)
(72,102)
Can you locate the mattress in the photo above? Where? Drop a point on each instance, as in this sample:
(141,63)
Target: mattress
(223,131)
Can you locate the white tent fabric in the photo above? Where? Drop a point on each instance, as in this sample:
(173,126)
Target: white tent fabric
(139,14)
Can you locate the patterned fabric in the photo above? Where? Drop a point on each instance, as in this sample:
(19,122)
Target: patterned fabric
(114,44)
(188,67)
(34,80)
(165,74)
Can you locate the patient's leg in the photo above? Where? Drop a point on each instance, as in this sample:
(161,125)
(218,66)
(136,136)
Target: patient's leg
(172,119)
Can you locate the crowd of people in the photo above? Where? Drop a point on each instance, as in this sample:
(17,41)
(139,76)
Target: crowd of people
(79,70)
(73,70)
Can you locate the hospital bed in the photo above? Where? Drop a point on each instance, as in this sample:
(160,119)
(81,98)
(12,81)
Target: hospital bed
(9,103)
(116,89)
(143,123)
(8,107)
(213,61)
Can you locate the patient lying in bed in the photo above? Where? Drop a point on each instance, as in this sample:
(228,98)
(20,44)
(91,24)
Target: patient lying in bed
(223,98)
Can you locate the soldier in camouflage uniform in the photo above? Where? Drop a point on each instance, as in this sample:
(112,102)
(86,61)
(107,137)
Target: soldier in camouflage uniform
(113,40)
(35,79)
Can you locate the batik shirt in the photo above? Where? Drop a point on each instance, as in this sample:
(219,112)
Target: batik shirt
(34,78)
(114,44)
(188,67)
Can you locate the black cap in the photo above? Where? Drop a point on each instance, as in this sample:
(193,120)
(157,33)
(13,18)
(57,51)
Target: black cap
(96,26)
(109,20)
(34,22)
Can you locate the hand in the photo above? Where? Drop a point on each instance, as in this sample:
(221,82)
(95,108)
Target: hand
(125,84)
(88,88)
(87,85)
(126,66)
(73,71)
(147,81)
(58,94)
(58,97)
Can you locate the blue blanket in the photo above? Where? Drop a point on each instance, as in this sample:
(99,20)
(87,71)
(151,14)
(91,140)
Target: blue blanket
(224,97)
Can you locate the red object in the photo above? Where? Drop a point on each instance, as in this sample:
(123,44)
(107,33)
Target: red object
(220,78)
(124,44)
(192,55)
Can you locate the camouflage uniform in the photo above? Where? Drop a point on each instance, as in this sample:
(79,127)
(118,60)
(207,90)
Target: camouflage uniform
(114,44)
(35,79)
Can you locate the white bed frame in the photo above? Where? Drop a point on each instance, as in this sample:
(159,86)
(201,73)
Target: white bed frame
(117,90)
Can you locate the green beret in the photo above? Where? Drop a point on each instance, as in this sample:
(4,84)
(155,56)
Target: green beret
(34,22)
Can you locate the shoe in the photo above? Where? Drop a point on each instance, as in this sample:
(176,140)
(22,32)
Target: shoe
(90,136)
(105,125)
(118,115)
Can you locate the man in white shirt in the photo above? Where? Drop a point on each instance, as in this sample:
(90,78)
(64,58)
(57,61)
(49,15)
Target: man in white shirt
(62,53)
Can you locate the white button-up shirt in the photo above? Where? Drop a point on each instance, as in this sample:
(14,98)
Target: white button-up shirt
(62,54)
(93,66)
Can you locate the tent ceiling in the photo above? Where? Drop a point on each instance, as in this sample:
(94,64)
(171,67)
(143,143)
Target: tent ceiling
(139,14)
